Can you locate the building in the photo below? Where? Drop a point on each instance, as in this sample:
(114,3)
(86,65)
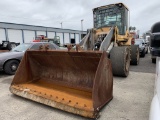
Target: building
(26,33)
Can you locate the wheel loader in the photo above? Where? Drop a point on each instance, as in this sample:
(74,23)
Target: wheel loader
(111,34)
(80,79)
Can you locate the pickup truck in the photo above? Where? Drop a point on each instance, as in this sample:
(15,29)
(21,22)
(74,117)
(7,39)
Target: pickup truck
(7,46)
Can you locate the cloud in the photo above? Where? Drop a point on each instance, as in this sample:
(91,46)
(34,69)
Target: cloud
(143,14)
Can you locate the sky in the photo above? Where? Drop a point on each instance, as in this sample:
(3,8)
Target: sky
(51,13)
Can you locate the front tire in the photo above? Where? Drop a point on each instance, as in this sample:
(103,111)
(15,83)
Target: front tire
(11,66)
(120,59)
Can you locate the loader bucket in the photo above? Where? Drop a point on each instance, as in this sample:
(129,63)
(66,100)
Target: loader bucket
(77,82)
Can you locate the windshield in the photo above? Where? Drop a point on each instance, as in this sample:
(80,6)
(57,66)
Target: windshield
(21,48)
(109,20)
(111,16)
(137,42)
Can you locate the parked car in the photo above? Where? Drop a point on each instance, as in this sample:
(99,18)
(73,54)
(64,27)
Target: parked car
(155,104)
(143,46)
(9,61)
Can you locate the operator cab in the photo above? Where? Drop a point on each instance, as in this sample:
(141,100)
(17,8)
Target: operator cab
(112,15)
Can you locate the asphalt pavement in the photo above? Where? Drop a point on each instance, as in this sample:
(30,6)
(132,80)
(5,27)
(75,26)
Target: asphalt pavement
(2,74)
(131,101)
(145,65)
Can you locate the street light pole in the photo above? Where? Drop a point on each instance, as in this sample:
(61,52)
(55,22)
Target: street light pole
(81,28)
(61,25)
(82,25)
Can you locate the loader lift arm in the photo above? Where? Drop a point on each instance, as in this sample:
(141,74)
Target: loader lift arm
(102,43)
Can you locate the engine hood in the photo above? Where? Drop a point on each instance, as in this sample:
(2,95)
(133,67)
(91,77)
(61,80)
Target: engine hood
(10,55)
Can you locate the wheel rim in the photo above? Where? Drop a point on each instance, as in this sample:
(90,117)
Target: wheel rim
(14,67)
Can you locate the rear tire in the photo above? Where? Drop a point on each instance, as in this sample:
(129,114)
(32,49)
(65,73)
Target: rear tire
(153,60)
(147,51)
(120,59)
(11,66)
(143,53)
(11,45)
(134,55)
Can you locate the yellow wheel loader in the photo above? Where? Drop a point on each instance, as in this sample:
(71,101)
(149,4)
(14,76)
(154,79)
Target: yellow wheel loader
(111,34)
(79,80)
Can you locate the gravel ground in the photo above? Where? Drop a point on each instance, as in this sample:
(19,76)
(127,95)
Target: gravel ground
(132,98)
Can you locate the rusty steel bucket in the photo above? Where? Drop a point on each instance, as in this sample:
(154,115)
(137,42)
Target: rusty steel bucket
(77,82)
